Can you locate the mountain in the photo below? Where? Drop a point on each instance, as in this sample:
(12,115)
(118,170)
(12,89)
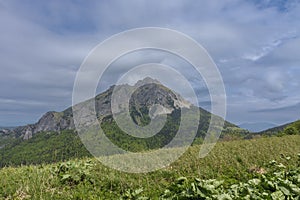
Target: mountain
(257,126)
(151,93)
(53,137)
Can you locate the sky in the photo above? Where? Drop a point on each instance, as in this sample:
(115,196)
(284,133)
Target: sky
(255,45)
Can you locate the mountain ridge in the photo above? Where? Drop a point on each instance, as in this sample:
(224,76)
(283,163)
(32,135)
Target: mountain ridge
(277,129)
(257,126)
(54,137)
(155,93)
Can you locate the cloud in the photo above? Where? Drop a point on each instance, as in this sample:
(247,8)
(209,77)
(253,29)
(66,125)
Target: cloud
(254,43)
(295,107)
(267,49)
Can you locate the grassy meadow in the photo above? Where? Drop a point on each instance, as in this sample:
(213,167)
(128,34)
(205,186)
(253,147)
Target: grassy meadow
(232,162)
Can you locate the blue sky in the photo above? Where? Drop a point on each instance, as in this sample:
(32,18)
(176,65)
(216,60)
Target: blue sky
(255,45)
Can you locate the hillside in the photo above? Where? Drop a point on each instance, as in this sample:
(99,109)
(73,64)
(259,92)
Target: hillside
(240,168)
(280,129)
(45,147)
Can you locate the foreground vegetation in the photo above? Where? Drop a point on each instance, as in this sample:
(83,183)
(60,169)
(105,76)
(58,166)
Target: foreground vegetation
(233,170)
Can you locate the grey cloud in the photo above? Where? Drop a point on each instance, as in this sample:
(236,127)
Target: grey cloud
(43,44)
(295,108)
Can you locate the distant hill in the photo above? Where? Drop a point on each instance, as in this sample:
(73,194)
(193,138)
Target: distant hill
(277,129)
(257,126)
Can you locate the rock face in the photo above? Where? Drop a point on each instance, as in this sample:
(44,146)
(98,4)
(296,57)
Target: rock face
(153,93)
(51,121)
(4,132)
(146,93)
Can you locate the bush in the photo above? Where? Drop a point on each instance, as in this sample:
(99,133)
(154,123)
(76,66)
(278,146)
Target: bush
(290,130)
(73,172)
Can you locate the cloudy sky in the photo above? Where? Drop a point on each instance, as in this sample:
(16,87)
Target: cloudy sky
(255,44)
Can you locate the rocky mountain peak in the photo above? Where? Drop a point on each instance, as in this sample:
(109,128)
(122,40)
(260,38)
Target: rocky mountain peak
(146,80)
(146,93)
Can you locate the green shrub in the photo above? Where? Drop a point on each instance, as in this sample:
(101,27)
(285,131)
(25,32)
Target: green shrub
(74,172)
(293,128)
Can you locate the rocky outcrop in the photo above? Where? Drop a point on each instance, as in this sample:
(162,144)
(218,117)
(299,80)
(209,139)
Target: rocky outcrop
(4,132)
(51,121)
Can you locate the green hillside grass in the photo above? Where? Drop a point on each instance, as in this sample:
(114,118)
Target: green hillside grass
(45,147)
(233,162)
